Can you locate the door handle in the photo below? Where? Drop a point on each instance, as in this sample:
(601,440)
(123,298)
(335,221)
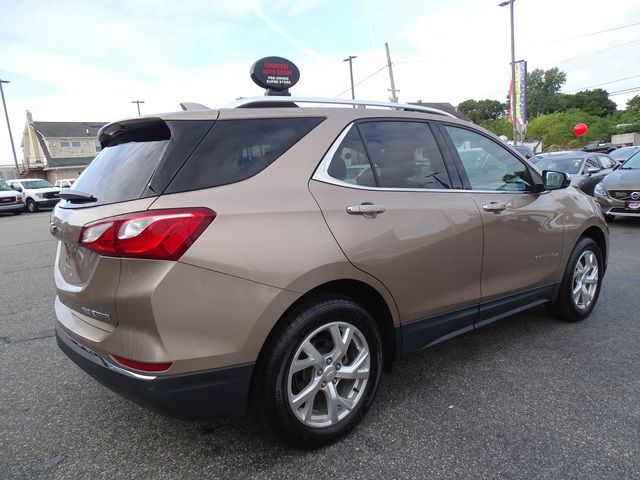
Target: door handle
(494,207)
(364,209)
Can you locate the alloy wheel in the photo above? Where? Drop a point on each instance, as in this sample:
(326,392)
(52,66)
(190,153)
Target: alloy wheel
(328,374)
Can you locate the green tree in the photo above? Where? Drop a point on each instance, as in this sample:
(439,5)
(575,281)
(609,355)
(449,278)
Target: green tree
(594,102)
(557,128)
(543,91)
(633,105)
(482,110)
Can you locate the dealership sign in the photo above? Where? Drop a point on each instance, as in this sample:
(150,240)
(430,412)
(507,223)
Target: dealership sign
(276,74)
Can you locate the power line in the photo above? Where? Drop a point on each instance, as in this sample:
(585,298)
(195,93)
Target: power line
(590,34)
(597,51)
(601,84)
(362,81)
(627,90)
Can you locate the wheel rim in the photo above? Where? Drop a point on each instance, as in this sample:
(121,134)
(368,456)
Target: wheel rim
(328,374)
(585,280)
(31,207)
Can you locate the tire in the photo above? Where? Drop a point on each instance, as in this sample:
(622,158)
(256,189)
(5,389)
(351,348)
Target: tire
(303,354)
(584,269)
(31,206)
(17,212)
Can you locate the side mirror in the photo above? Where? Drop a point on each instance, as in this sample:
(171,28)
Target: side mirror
(18,189)
(592,170)
(555,180)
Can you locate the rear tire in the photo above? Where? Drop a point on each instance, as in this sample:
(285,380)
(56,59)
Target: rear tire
(580,287)
(32,207)
(319,371)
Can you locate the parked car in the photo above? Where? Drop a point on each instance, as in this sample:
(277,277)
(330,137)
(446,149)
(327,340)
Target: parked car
(619,192)
(524,150)
(10,200)
(622,154)
(585,169)
(213,259)
(36,193)
(64,183)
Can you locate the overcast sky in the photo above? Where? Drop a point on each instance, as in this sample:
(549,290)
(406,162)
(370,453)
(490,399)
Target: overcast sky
(87,60)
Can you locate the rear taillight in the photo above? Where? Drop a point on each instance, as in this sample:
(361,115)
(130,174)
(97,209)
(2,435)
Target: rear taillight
(156,234)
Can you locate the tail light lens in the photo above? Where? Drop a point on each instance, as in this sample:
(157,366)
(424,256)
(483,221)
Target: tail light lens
(155,234)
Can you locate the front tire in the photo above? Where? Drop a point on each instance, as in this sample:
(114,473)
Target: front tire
(580,287)
(32,207)
(319,371)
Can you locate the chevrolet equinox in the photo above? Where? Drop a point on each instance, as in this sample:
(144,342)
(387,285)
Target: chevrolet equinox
(282,256)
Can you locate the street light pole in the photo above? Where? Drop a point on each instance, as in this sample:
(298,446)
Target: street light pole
(138,102)
(349,59)
(512,94)
(4,104)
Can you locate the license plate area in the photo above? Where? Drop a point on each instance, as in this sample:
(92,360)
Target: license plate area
(632,205)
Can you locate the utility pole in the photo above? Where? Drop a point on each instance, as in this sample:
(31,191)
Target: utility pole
(394,96)
(138,102)
(512,93)
(4,104)
(349,59)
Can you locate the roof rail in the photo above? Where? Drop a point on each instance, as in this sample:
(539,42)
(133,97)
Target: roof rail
(257,102)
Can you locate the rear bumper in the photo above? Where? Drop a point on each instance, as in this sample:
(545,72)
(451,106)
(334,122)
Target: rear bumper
(193,396)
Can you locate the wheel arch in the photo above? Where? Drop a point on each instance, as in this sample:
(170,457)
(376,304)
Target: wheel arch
(363,294)
(598,236)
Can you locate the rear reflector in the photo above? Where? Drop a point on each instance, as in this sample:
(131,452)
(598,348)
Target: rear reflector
(144,366)
(155,234)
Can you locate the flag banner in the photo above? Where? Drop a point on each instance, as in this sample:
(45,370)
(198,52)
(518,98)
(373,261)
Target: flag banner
(520,94)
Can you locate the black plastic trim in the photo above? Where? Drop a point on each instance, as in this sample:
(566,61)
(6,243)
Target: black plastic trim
(420,334)
(193,396)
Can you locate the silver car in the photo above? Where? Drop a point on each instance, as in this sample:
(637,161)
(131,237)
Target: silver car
(586,169)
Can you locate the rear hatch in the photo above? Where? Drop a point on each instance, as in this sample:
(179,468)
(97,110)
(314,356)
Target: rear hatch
(139,157)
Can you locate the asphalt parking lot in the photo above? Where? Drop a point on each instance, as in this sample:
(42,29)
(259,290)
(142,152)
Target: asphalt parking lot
(528,397)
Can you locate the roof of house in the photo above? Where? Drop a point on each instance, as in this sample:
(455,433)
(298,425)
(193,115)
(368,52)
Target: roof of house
(68,129)
(447,107)
(66,162)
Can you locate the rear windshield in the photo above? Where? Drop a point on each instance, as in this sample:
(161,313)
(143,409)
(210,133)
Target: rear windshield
(235,150)
(567,165)
(122,170)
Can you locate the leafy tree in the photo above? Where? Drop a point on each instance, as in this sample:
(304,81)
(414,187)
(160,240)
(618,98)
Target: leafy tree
(557,128)
(594,102)
(633,105)
(482,110)
(543,91)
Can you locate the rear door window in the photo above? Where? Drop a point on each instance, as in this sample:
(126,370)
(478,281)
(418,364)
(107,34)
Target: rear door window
(398,154)
(235,150)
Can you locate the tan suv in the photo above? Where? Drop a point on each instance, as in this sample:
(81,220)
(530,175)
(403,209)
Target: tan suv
(282,256)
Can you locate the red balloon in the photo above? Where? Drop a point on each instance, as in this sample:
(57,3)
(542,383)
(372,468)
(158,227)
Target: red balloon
(580,129)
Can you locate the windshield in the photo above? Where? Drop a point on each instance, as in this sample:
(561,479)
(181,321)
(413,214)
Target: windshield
(35,184)
(4,187)
(568,165)
(623,153)
(632,163)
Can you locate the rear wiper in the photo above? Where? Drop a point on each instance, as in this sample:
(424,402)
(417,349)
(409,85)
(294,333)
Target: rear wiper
(76,195)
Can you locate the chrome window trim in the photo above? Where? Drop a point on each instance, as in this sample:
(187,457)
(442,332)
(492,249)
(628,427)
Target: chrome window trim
(321,174)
